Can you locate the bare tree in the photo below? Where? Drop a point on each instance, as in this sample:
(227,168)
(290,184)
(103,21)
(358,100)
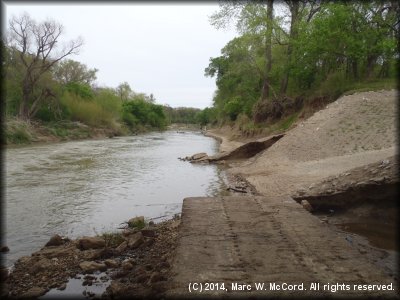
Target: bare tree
(38,48)
(124,91)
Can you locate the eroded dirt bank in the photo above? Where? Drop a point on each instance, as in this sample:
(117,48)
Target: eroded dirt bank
(343,161)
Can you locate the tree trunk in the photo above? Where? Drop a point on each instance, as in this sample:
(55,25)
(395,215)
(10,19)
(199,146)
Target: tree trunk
(384,72)
(370,65)
(354,67)
(268,51)
(24,108)
(294,10)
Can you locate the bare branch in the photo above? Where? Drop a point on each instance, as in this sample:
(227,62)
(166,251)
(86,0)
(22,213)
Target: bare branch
(37,46)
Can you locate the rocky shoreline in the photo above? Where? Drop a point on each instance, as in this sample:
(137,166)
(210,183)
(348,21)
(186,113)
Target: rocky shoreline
(134,262)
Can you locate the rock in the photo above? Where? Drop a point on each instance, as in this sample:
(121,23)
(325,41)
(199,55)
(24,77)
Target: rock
(155,276)
(198,156)
(163,265)
(91,254)
(149,232)
(111,263)
(51,252)
(55,240)
(41,265)
(301,192)
(116,289)
(91,266)
(141,278)
(149,242)
(122,247)
(126,265)
(129,231)
(135,240)
(23,260)
(306,205)
(3,274)
(87,242)
(4,249)
(34,292)
(135,222)
(362,251)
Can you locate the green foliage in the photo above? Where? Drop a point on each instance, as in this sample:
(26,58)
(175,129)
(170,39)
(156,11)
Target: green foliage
(183,115)
(69,71)
(139,111)
(112,239)
(46,114)
(17,132)
(139,224)
(329,48)
(82,90)
(88,112)
(206,116)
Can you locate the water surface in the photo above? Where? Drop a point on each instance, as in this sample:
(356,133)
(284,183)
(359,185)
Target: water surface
(87,187)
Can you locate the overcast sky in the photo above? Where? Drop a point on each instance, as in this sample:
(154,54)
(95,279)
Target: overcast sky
(159,49)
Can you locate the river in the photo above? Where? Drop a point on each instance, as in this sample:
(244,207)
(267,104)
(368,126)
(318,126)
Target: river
(87,187)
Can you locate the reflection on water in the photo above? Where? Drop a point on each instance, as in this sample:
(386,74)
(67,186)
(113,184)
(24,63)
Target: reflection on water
(86,187)
(379,234)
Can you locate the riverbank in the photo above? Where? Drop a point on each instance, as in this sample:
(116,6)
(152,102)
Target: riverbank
(341,165)
(18,132)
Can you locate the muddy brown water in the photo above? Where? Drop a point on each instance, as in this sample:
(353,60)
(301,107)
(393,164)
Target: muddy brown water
(88,187)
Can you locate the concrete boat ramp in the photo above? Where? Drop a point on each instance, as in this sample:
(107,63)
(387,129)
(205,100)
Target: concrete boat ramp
(242,246)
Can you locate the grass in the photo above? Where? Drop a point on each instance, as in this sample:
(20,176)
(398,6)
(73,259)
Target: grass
(112,239)
(139,224)
(286,123)
(60,132)
(17,132)
(90,112)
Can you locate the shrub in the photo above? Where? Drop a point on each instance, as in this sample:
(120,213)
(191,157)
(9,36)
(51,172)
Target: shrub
(112,239)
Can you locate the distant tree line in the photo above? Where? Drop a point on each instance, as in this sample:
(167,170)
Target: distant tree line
(42,83)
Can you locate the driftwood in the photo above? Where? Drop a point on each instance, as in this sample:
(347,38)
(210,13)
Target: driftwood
(236,190)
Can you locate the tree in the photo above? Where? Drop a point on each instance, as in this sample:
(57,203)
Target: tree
(252,17)
(37,44)
(68,71)
(124,91)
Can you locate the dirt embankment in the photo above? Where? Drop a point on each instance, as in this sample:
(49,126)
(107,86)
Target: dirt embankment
(22,132)
(353,131)
(343,161)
